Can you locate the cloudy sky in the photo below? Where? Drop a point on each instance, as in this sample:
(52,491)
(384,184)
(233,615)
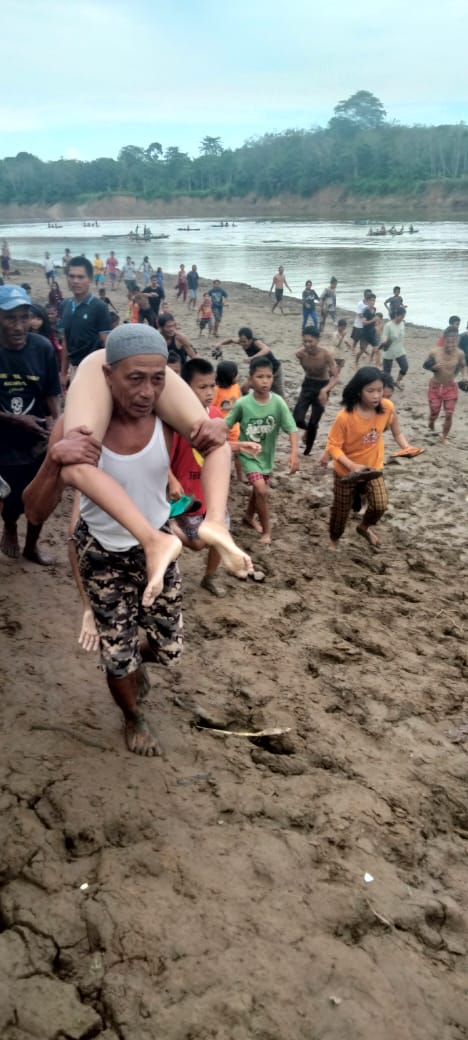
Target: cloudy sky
(81,80)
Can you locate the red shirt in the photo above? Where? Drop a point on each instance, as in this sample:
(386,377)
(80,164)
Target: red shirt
(186,464)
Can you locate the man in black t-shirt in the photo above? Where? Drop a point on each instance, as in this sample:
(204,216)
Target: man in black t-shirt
(85,319)
(155,293)
(29,403)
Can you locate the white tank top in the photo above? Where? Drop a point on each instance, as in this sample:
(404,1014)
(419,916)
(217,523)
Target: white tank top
(144,477)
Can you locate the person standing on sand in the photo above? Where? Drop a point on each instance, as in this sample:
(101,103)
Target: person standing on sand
(321,375)
(309,307)
(193,279)
(30,396)
(392,303)
(218,296)
(65,261)
(393,346)
(112,266)
(445,363)
(356,332)
(181,283)
(128,275)
(49,268)
(278,283)
(328,304)
(85,319)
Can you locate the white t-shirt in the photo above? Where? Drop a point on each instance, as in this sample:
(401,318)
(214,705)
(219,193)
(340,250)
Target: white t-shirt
(396,335)
(361,307)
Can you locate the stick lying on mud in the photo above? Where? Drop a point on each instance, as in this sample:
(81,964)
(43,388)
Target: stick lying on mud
(274,732)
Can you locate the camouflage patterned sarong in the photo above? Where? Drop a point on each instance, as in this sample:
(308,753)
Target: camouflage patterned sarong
(114,583)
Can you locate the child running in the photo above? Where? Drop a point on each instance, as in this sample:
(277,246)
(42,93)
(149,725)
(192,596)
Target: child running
(356,445)
(445,363)
(262,415)
(341,343)
(205,314)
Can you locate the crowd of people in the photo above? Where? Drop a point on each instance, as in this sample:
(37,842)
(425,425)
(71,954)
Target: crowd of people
(126,410)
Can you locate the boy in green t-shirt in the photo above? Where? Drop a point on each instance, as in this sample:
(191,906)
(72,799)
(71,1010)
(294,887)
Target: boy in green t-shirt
(262,415)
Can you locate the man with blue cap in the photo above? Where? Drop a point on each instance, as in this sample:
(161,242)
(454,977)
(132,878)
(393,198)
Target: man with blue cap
(29,403)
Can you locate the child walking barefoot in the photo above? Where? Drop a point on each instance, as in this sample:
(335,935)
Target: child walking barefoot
(262,415)
(356,445)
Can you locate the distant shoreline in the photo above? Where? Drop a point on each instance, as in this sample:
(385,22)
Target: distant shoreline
(329,203)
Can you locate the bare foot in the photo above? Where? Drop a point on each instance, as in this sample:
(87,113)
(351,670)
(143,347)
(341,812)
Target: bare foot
(9,543)
(250,521)
(333,546)
(36,556)
(369,535)
(139,737)
(88,638)
(233,559)
(265,539)
(160,552)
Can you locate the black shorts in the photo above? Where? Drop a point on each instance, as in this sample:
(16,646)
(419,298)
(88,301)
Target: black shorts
(279,293)
(18,477)
(356,334)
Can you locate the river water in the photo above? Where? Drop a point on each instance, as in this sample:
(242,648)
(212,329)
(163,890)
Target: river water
(431,266)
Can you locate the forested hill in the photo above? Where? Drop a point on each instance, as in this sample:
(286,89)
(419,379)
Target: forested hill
(358,154)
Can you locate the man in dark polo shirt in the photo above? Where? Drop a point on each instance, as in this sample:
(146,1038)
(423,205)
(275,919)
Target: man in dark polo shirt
(155,294)
(86,320)
(29,404)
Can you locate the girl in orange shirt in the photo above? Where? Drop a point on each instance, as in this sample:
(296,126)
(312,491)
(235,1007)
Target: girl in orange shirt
(356,445)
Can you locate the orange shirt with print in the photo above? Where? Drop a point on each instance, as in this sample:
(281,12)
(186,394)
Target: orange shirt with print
(224,399)
(359,437)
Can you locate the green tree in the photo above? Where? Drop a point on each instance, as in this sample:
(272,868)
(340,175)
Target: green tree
(211,146)
(154,151)
(363,110)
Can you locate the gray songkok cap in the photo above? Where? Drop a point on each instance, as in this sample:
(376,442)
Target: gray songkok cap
(131,340)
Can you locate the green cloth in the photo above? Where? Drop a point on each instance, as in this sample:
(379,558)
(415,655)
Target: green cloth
(261,423)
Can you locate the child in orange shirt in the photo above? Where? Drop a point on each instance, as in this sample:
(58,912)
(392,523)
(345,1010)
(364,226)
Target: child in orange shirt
(205,314)
(356,445)
(227,393)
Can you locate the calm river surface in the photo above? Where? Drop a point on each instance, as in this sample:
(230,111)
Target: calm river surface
(431,266)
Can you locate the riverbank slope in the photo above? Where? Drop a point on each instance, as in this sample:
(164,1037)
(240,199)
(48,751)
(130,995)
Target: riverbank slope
(436,202)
